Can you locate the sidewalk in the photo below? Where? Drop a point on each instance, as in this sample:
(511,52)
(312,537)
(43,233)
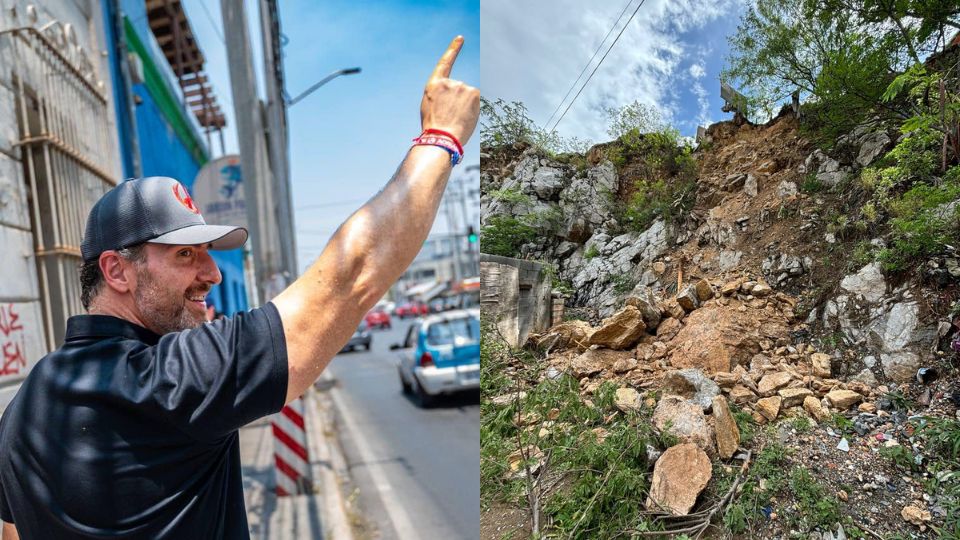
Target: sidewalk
(321,515)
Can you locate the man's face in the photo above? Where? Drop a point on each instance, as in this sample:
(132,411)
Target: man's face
(172,284)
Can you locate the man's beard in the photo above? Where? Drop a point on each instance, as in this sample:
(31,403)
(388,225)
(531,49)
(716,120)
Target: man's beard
(165,310)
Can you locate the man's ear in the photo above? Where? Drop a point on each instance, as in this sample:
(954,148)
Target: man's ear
(117,272)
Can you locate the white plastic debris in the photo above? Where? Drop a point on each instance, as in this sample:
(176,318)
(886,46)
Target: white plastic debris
(844,445)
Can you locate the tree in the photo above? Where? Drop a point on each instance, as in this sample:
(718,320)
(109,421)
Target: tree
(841,54)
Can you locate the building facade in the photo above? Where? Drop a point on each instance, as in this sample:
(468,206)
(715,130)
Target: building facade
(58,155)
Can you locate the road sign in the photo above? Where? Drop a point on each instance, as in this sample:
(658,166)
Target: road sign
(218,191)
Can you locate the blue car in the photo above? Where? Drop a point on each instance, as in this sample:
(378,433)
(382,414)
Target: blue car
(441,354)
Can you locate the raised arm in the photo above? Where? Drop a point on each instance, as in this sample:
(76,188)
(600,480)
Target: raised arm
(373,247)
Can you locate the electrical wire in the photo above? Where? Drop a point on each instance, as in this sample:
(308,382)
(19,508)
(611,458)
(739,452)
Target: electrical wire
(585,66)
(598,66)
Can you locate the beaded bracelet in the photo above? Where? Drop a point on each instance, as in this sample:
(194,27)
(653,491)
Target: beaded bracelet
(443,139)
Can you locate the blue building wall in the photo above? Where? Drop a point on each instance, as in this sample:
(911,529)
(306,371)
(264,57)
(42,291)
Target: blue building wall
(163,152)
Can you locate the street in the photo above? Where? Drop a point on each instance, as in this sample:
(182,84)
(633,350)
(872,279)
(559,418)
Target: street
(417,470)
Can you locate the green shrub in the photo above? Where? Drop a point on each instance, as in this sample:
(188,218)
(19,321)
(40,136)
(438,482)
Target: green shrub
(511,196)
(503,235)
(919,229)
(591,252)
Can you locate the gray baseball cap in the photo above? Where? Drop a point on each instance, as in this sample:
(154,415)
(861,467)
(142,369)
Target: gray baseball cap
(155,209)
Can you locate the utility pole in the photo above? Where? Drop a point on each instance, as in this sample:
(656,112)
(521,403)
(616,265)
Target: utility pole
(278,135)
(253,152)
(448,205)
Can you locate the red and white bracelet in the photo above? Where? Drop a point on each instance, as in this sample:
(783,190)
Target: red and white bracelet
(443,139)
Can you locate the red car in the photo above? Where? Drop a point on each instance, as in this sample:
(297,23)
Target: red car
(378,319)
(411,309)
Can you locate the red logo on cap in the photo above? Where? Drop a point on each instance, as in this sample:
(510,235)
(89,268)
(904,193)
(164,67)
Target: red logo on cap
(181,194)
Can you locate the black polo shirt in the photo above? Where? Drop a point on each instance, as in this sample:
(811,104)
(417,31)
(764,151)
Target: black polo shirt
(124,434)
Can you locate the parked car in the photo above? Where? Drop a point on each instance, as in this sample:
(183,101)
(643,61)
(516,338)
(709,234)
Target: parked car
(405,310)
(440,354)
(412,309)
(360,338)
(377,318)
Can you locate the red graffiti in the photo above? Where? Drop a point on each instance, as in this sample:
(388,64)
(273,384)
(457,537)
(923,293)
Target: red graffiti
(13,359)
(11,346)
(8,320)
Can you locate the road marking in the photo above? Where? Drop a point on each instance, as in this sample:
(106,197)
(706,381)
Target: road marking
(397,514)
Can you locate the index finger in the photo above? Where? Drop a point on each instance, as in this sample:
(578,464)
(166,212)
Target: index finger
(442,71)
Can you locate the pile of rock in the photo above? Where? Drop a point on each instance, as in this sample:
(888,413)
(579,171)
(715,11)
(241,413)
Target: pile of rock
(703,348)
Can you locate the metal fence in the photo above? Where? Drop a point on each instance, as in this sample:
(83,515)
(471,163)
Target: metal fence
(66,145)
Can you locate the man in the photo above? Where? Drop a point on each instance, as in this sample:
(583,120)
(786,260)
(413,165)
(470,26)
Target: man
(129,430)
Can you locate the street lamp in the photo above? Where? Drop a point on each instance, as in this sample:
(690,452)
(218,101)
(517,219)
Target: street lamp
(321,82)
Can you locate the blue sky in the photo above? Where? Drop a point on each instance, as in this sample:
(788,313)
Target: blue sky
(348,137)
(669,57)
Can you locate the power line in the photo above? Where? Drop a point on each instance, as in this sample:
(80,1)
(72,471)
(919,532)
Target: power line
(598,64)
(216,29)
(585,66)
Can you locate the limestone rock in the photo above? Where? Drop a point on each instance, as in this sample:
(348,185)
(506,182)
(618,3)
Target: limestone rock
(820,363)
(691,384)
(730,288)
(815,409)
(594,361)
(866,377)
(688,299)
(741,394)
(685,420)
(672,308)
(679,476)
(728,435)
(769,407)
(716,338)
(773,382)
(642,299)
(914,515)
(628,400)
(620,331)
(868,282)
(704,290)
(624,365)
(571,334)
(507,399)
(793,397)
(761,290)
(843,399)
(668,328)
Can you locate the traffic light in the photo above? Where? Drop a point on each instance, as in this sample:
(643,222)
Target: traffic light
(471,235)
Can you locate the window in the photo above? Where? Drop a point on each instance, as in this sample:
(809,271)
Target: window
(411,340)
(456,332)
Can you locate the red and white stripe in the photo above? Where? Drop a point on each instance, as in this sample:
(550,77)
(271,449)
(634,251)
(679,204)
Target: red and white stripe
(290,450)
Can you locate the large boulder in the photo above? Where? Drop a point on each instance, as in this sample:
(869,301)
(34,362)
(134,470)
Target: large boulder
(684,420)
(716,338)
(620,331)
(679,476)
(691,384)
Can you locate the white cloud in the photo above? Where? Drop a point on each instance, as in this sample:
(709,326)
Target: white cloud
(532,51)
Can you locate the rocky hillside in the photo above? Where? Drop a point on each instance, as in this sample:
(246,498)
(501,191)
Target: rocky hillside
(787,384)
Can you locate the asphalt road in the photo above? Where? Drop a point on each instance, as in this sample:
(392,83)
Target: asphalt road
(417,470)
